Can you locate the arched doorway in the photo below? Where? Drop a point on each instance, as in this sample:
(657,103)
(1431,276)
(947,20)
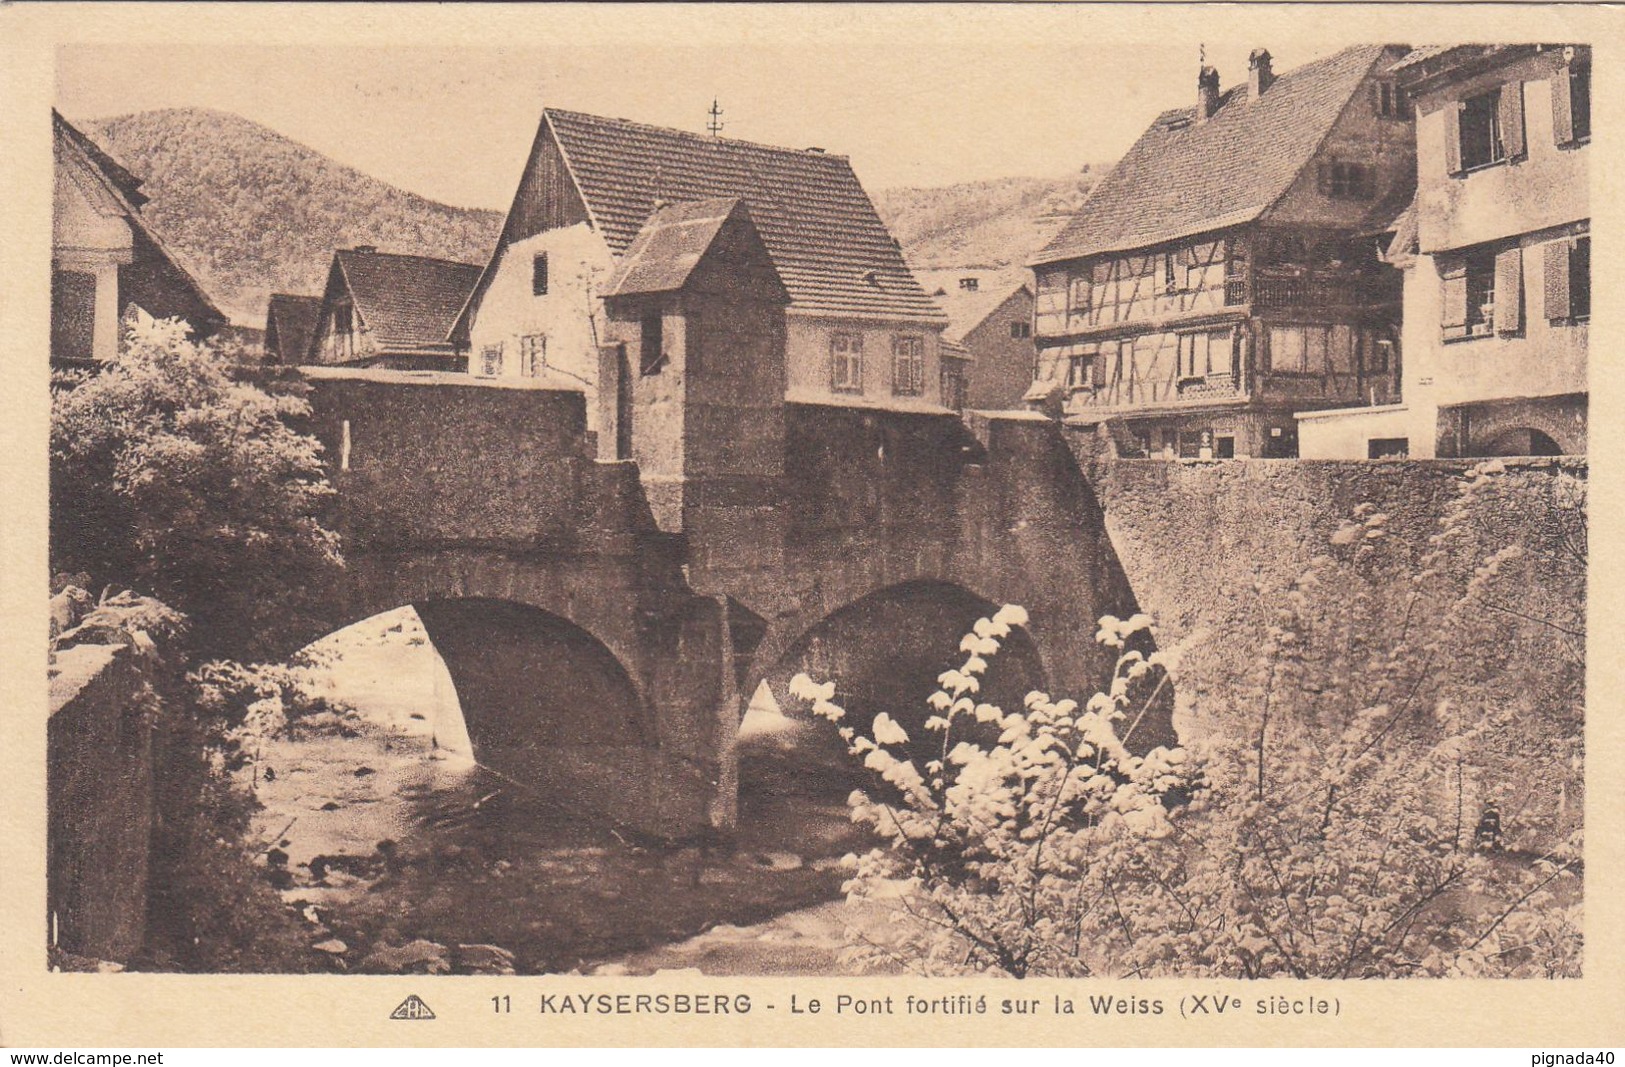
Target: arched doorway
(1523,441)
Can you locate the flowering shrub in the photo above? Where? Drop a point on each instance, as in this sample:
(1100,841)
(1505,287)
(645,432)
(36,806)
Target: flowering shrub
(1322,826)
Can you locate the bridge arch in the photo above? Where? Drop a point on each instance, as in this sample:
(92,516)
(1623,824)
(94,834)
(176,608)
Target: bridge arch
(884,652)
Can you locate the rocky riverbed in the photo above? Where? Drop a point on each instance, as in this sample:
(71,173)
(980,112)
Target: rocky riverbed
(403,855)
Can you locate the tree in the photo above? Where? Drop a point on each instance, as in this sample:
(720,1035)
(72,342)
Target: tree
(171,476)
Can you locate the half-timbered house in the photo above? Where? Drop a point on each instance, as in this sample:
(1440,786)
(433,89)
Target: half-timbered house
(106,258)
(1496,254)
(860,331)
(381,309)
(1223,276)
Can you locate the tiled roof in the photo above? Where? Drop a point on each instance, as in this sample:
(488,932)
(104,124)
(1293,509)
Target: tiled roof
(294,318)
(967,308)
(672,243)
(827,242)
(406,299)
(1184,177)
(121,185)
(116,172)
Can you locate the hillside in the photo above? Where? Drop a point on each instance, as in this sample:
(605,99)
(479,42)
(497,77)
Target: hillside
(253,212)
(988,223)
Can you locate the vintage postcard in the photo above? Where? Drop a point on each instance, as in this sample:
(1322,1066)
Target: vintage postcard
(811,525)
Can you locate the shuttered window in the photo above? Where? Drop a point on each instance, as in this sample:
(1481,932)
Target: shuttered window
(1479,290)
(1511,120)
(908,366)
(1568,280)
(1509,290)
(1481,142)
(1571,104)
(1452,139)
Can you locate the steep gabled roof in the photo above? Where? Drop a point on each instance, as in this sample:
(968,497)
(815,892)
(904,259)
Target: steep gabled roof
(115,172)
(968,308)
(121,185)
(292,319)
(405,300)
(675,241)
(830,248)
(1184,177)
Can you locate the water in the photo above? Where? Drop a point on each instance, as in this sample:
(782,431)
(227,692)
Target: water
(393,834)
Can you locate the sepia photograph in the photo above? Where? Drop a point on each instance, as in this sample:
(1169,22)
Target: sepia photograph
(1083,508)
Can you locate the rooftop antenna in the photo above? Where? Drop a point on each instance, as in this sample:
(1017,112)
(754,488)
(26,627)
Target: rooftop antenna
(715,124)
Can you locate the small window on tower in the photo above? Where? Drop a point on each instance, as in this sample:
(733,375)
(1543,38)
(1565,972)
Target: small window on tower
(653,348)
(538,274)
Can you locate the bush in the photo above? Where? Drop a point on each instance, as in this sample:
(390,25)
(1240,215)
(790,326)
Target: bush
(171,477)
(1325,827)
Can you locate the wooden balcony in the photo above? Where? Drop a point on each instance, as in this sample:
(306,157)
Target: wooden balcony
(1313,290)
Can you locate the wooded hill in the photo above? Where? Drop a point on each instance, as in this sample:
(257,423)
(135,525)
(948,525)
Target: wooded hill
(253,212)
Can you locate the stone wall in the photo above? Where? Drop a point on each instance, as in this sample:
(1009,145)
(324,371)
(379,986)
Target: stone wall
(100,801)
(1210,549)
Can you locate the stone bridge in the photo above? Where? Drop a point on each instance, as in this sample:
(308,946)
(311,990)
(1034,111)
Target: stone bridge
(605,628)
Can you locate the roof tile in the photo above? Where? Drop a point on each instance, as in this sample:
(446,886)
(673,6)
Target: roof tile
(1184,177)
(407,299)
(829,245)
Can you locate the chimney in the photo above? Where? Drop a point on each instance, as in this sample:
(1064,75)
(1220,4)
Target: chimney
(1259,74)
(1207,93)
(365,248)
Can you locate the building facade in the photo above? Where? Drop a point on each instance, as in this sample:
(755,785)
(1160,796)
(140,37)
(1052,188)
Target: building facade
(1497,260)
(860,331)
(381,309)
(990,317)
(290,322)
(1225,275)
(106,259)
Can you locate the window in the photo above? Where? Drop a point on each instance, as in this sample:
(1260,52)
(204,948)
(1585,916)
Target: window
(907,366)
(491,360)
(532,354)
(846,362)
(1391,101)
(1169,285)
(652,347)
(1568,280)
(953,386)
(969,284)
(1480,137)
(1311,349)
(1483,293)
(1580,102)
(1196,444)
(1224,447)
(538,274)
(1020,330)
(1580,279)
(1347,181)
(1379,354)
(1388,448)
(1204,354)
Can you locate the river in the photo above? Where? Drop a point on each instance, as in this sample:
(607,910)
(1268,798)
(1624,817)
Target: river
(404,855)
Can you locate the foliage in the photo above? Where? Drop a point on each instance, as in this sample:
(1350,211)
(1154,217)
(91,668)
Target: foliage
(170,475)
(258,701)
(254,212)
(995,223)
(1324,828)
